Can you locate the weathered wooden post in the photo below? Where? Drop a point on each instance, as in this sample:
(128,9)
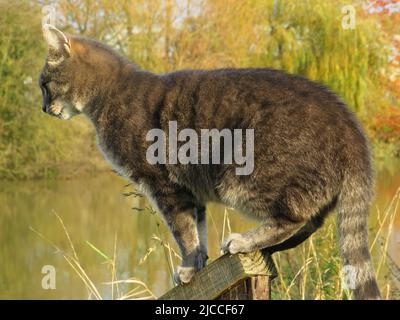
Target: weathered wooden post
(230,277)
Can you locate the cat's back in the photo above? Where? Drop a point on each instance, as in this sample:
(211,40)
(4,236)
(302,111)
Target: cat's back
(225,98)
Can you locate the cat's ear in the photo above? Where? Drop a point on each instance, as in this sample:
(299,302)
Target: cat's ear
(56,40)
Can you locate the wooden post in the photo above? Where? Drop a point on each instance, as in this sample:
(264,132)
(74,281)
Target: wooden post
(254,288)
(230,277)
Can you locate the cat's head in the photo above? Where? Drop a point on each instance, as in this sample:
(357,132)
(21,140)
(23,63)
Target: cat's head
(57,80)
(74,73)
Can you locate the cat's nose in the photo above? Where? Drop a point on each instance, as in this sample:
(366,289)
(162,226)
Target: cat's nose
(46,99)
(46,107)
(46,102)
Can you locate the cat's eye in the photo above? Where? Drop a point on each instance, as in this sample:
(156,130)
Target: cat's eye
(41,82)
(44,81)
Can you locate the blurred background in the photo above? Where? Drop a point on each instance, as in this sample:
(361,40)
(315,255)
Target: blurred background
(60,203)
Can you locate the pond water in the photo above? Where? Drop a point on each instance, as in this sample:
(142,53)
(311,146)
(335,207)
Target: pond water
(96,213)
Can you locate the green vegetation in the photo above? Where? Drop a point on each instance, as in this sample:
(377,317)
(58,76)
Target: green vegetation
(303,37)
(32,144)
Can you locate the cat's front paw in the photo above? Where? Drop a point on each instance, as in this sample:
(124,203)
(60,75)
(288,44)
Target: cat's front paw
(235,243)
(184,274)
(198,261)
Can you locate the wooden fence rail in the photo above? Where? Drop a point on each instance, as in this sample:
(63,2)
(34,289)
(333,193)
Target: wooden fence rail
(230,277)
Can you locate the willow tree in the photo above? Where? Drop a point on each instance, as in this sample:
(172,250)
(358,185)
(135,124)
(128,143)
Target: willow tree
(302,37)
(306,38)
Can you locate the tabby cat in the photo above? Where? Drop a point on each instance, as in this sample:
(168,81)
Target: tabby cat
(310,153)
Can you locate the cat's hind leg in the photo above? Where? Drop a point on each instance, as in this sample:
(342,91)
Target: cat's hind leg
(271,232)
(306,231)
(299,237)
(202,229)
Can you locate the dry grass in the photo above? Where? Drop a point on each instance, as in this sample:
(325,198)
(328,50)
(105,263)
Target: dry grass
(310,271)
(138,290)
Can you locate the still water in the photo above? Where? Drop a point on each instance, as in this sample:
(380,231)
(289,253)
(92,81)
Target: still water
(95,211)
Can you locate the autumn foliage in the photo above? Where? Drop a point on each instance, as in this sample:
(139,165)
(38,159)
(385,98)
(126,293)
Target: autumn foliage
(301,37)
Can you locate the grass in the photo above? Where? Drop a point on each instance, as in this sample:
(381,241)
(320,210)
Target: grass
(310,271)
(136,289)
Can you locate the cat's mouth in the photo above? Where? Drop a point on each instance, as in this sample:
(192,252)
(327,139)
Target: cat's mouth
(59,115)
(62,111)
(56,113)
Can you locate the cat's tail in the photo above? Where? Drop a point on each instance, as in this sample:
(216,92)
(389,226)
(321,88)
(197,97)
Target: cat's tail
(353,206)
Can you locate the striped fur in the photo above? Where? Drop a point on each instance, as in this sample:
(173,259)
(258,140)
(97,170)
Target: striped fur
(353,210)
(310,153)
